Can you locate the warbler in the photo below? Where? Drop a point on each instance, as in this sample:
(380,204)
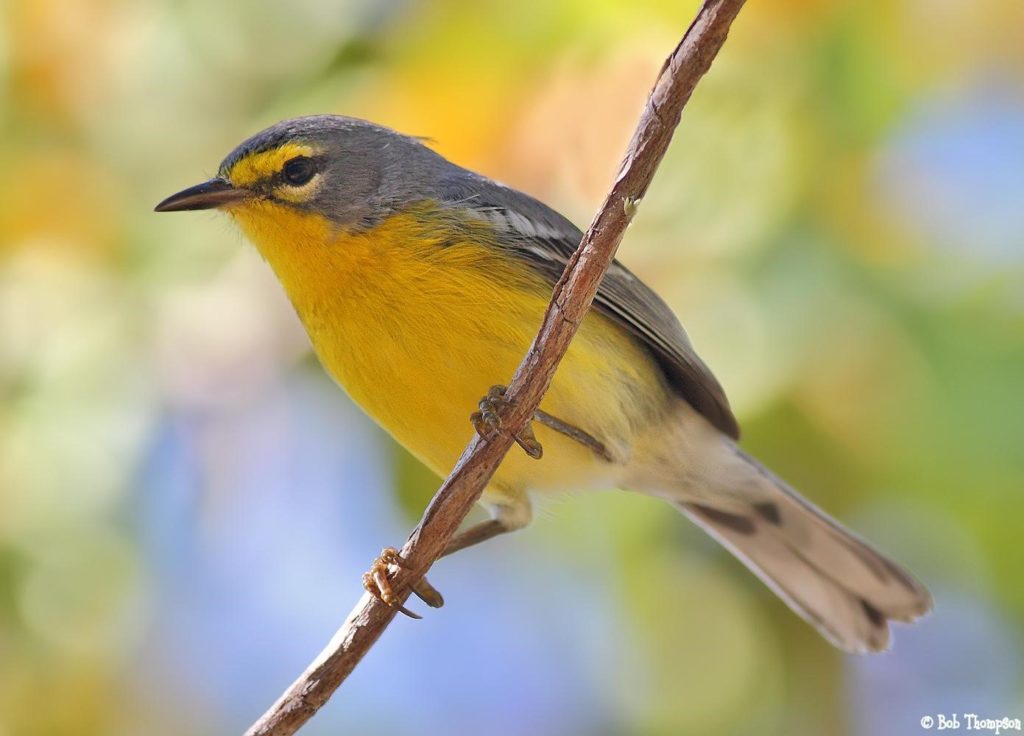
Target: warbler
(421,285)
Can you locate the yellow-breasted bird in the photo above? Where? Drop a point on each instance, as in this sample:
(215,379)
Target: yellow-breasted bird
(421,284)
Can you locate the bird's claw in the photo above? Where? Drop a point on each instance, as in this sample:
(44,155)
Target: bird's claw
(377,581)
(488,422)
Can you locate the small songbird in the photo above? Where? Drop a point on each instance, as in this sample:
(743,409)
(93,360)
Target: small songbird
(421,285)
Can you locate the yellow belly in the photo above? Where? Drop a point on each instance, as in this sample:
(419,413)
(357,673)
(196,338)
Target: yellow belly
(416,325)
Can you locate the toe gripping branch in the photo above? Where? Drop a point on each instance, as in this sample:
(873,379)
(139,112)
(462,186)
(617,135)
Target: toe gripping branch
(488,421)
(377,582)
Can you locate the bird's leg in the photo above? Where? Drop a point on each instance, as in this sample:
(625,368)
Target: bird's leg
(512,513)
(377,580)
(488,420)
(476,534)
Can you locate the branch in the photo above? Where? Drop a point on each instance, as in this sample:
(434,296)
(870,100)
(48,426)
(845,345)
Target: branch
(572,297)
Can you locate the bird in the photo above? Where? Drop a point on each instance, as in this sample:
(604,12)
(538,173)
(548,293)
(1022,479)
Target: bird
(421,284)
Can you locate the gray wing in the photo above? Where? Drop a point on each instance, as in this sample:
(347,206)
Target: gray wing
(543,238)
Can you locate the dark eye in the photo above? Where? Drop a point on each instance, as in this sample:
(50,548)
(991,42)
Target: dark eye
(298,170)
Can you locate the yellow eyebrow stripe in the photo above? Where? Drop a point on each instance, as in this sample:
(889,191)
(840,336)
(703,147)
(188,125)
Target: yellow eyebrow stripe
(260,166)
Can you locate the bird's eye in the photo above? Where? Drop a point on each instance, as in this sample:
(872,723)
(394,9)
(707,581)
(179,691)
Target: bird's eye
(298,170)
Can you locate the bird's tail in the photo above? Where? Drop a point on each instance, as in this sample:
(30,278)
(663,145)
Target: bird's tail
(826,574)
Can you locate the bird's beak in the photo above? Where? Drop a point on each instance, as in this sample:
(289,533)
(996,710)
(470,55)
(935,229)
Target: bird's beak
(208,195)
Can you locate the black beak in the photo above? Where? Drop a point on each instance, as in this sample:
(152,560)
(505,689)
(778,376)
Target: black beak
(214,193)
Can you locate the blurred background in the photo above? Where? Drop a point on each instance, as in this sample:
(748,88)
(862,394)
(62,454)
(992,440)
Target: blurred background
(187,503)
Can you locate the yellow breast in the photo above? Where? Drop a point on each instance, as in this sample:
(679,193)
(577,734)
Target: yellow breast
(416,323)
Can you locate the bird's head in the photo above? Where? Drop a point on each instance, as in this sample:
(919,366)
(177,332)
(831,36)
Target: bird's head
(341,171)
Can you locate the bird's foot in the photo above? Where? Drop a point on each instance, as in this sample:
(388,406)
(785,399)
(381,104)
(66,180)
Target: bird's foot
(377,581)
(488,421)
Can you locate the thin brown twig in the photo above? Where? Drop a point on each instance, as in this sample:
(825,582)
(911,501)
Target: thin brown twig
(570,301)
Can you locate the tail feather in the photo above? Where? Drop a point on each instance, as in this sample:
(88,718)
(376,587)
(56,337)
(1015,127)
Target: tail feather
(825,573)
